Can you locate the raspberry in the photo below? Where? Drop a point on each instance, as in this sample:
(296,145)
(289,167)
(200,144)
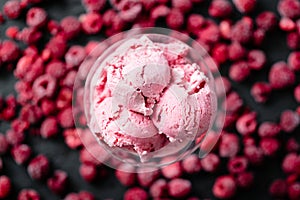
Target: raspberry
(209,34)
(269,146)
(44,86)
(84,195)
(88,172)
(229,145)
(175,19)
(93,5)
(278,188)
(292,145)
(172,171)
(49,127)
(29,35)
(48,107)
(236,51)
(72,196)
(294,60)
(72,138)
(29,68)
(191,164)
(225,29)
(14,138)
(233,103)
(281,76)
(53,27)
(244,179)
(293,40)
(220,8)
(246,124)
(289,8)
(266,20)
(287,24)
(237,165)
(125,175)
(91,23)
(268,129)
(28,194)
(131,13)
(289,163)
(91,45)
(254,154)
(135,193)
(86,157)
(297,93)
(58,182)
(9,51)
(256,59)
(11,32)
(57,46)
(245,6)
(289,120)
(12,9)
(159,188)
(65,118)
(64,98)
(294,191)
(21,153)
(4,145)
(38,167)
(5,186)
(56,68)
(70,26)
(239,71)
(219,53)
(259,36)
(36,17)
(261,91)
(159,11)
(210,163)
(182,5)
(248,141)
(179,188)
(195,22)
(145,179)
(74,56)
(242,31)
(224,187)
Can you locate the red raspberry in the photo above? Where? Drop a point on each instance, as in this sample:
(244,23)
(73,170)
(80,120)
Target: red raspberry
(191,164)
(72,196)
(244,179)
(44,86)
(145,179)
(261,91)
(224,187)
(12,9)
(12,31)
(36,17)
(28,194)
(254,154)
(21,153)
(289,8)
(69,79)
(239,71)
(269,146)
(287,24)
(278,188)
(58,182)
(209,34)
(74,56)
(236,51)
(159,11)
(229,145)
(90,46)
(91,23)
(175,19)
(225,29)
(297,93)
(172,171)
(56,68)
(220,53)
(210,163)
(242,31)
(38,167)
(294,191)
(86,157)
(29,68)
(84,195)
(14,138)
(220,8)
(248,141)
(49,127)
(48,107)
(4,145)
(125,175)
(53,27)
(135,193)
(246,124)
(64,98)
(179,188)
(131,13)
(9,51)
(70,26)
(292,145)
(266,20)
(245,6)
(289,163)
(88,172)
(293,40)
(148,4)
(19,125)
(5,186)
(195,22)
(259,36)
(233,103)
(294,60)
(256,59)
(268,129)
(237,165)
(65,118)
(289,120)
(29,35)
(183,6)
(57,46)
(159,188)
(281,76)
(72,138)
(93,5)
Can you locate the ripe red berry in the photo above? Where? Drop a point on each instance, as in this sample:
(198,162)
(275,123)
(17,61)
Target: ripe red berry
(145,179)
(135,193)
(58,182)
(71,137)
(12,9)
(209,34)
(88,172)
(179,188)
(36,17)
(91,23)
(21,153)
(220,8)
(242,31)
(5,186)
(159,188)
(278,188)
(292,145)
(49,127)
(268,129)
(210,163)
(289,8)
(220,53)
(294,60)
(56,68)
(266,20)
(125,175)
(175,19)
(65,118)
(44,86)
(224,187)
(239,71)
(57,45)
(244,179)
(28,194)
(195,22)
(93,5)
(294,191)
(11,32)
(289,163)
(14,138)
(256,59)
(281,76)
(229,145)
(237,165)
(293,40)
(254,154)
(159,11)
(236,51)
(289,120)
(84,195)
(172,171)
(269,146)
(38,167)
(261,91)
(29,68)
(70,26)
(74,56)
(9,51)
(191,164)
(183,6)
(287,24)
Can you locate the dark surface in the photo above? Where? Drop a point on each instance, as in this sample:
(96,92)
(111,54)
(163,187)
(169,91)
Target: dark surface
(62,157)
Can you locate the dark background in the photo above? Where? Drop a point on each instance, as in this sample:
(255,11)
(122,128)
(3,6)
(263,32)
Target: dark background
(61,157)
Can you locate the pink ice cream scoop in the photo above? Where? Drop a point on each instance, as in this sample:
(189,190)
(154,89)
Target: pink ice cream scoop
(149,96)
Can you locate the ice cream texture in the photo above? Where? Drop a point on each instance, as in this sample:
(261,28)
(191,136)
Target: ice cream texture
(149,95)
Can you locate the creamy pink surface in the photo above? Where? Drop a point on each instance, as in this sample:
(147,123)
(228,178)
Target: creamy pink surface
(148,96)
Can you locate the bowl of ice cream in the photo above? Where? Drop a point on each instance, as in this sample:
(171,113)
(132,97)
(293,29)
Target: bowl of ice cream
(149,98)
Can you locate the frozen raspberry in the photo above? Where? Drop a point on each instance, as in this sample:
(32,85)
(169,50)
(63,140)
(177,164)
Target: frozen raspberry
(281,76)
(266,20)
(28,194)
(224,187)
(135,193)
(289,120)
(233,103)
(256,59)
(14,138)
(9,51)
(210,163)
(12,9)
(4,145)
(72,196)
(294,60)
(293,40)
(53,27)
(44,86)
(236,51)
(269,146)
(57,46)
(74,56)
(229,145)
(125,175)
(254,154)
(183,5)
(48,107)
(244,179)
(90,46)
(294,191)
(56,68)
(64,98)
(29,35)
(21,153)
(65,118)
(287,24)
(268,129)
(12,31)
(209,34)
(36,17)
(93,5)
(289,8)
(246,124)
(38,167)
(245,6)
(172,171)
(159,188)
(220,53)
(179,188)
(145,179)
(58,182)
(72,138)
(31,113)
(237,165)
(289,163)
(88,172)
(220,8)
(239,71)
(159,11)
(49,127)
(19,125)
(84,195)
(278,188)
(292,145)
(261,91)
(191,164)
(195,22)
(70,26)
(259,36)
(175,19)
(91,23)
(242,31)
(248,141)
(5,186)
(86,157)
(131,13)
(29,68)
